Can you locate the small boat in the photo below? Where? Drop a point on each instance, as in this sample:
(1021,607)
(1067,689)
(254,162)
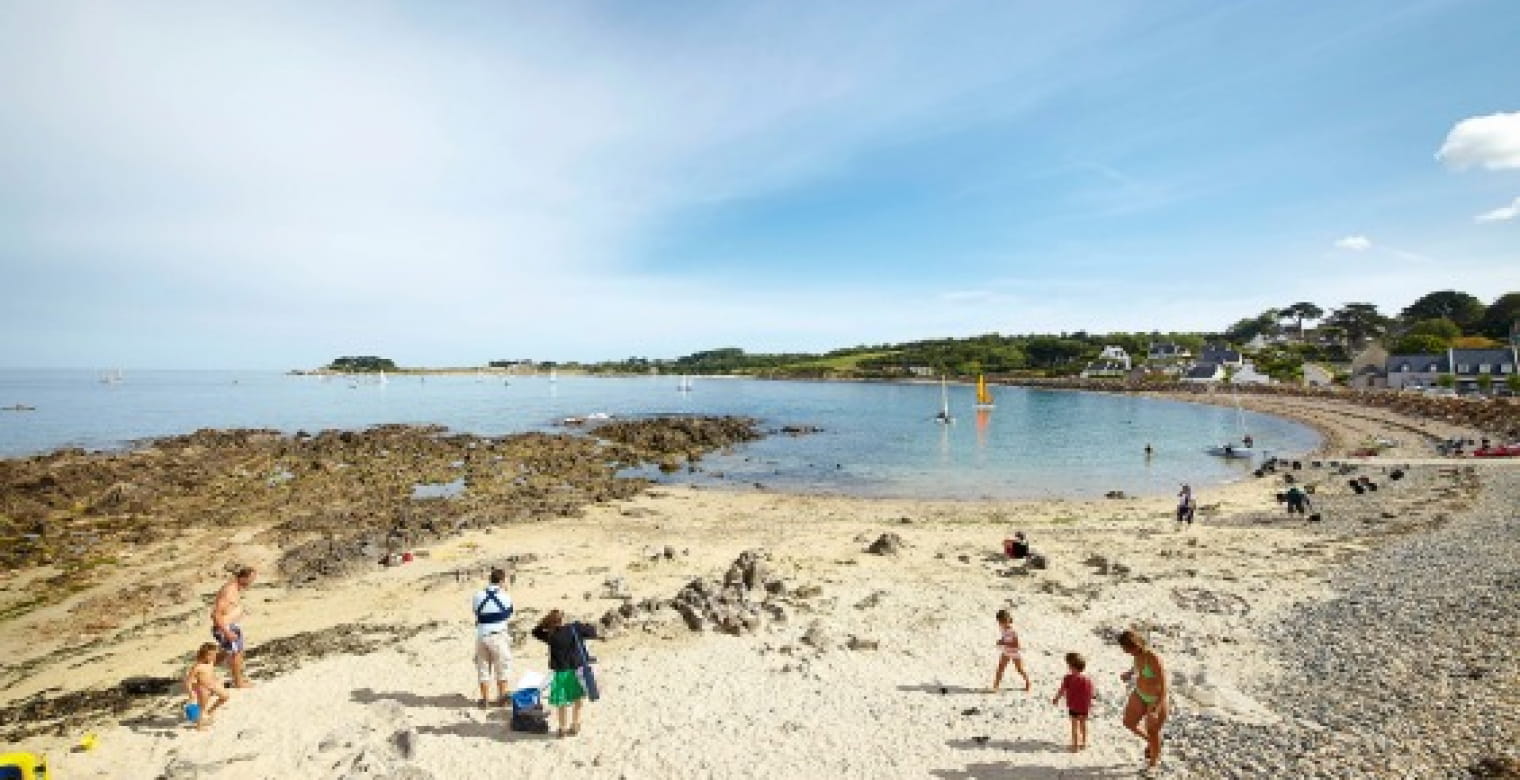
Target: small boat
(18,408)
(112,377)
(1232,451)
(944,418)
(983,397)
(685,384)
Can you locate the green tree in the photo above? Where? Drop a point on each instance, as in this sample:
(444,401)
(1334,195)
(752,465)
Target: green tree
(1419,344)
(1485,382)
(1440,327)
(1446,380)
(1501,316)
(1459,307)
(1513,383)
(1359,321)
(1303,310)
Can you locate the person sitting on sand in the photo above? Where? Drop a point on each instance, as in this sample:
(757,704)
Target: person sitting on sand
(1298,501)
(202,685)
(226,616)
(1008,641)
(1147,699)
(493,644)
(1077,689)
(565,658)
(1016,548)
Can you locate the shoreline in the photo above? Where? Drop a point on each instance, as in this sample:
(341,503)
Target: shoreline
(892,619)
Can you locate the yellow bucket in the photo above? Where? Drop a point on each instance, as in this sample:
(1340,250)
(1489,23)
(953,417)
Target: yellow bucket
(23,766)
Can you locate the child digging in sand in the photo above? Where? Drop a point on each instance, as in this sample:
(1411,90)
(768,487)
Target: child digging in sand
(1009,642)
(1077,688)
(201,685)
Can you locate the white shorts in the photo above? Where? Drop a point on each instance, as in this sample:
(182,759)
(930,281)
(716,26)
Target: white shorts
(493,656)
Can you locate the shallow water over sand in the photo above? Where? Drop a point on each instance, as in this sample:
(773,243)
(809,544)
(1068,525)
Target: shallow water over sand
(877,439)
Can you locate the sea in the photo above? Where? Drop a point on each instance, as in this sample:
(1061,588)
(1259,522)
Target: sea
(874,438)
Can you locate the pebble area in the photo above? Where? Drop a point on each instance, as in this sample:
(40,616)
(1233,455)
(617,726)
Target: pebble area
(1412,669)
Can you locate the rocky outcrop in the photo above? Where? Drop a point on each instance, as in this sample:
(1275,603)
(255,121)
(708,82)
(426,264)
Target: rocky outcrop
(342,501)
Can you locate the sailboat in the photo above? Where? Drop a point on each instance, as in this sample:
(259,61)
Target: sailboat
(1245,449)
(685,385)
(112,377)
(383,380)
(553,375)
(944,417)
(983,397)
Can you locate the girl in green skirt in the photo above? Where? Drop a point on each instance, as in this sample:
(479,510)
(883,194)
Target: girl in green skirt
(565,661)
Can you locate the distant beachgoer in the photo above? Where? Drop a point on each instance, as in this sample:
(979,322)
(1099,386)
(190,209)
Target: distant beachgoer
(1008,641)
(565,688)
(1298,501)
(1186,505)
(1147,700)
(1077,689)
(226,624)
(1148,451)
(202,685)
(493,643)
(1016,548)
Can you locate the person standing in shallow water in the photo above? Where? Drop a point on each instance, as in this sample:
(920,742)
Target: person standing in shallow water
(1145,711)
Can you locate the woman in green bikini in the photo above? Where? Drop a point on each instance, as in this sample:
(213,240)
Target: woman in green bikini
(1147,700)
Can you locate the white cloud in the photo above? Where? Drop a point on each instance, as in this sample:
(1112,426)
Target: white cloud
(1491,141)
(1354,243)
(1501,214)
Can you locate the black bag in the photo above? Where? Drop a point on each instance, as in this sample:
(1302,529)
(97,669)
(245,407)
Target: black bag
(528,713)
(532,721)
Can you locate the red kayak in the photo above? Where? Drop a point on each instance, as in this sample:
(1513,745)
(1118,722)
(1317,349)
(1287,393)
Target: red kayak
(1512,451)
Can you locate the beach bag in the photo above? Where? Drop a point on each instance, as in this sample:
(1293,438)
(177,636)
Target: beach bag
(528,713)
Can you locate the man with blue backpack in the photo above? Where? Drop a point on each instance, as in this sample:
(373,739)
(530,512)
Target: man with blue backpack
(493,643)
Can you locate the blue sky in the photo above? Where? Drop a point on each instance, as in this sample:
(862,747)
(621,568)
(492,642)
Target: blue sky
(206,185)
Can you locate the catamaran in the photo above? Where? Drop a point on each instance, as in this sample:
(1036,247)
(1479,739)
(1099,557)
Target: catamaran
(983,397)
(685,384)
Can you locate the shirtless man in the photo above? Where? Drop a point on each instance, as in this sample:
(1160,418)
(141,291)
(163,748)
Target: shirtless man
(225,616)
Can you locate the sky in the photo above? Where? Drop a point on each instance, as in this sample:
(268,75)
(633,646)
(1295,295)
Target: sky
(272,185)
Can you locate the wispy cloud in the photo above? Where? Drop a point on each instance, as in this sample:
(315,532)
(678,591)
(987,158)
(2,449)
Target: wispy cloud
(1501,214)
(1354,243)
(1491,141)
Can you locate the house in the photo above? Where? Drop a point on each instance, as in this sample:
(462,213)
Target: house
(1248,375)
(1367,368)
(1105,369)
(1318,376)
(1202,373)
(1415,371)
(1112,362)
(1168,353)
(1467,365)
(1222,355)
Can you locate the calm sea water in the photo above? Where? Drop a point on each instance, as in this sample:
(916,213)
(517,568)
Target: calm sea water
(878,439)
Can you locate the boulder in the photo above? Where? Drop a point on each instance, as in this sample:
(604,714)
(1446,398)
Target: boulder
(887,544)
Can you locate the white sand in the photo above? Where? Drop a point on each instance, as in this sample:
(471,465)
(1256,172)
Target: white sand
(679,704)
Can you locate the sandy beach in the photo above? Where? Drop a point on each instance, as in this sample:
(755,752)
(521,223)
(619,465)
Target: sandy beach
(856,664)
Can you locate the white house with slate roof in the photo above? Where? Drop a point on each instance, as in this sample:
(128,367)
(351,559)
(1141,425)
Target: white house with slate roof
(1111,362)
(1498,364)
(1415,371)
